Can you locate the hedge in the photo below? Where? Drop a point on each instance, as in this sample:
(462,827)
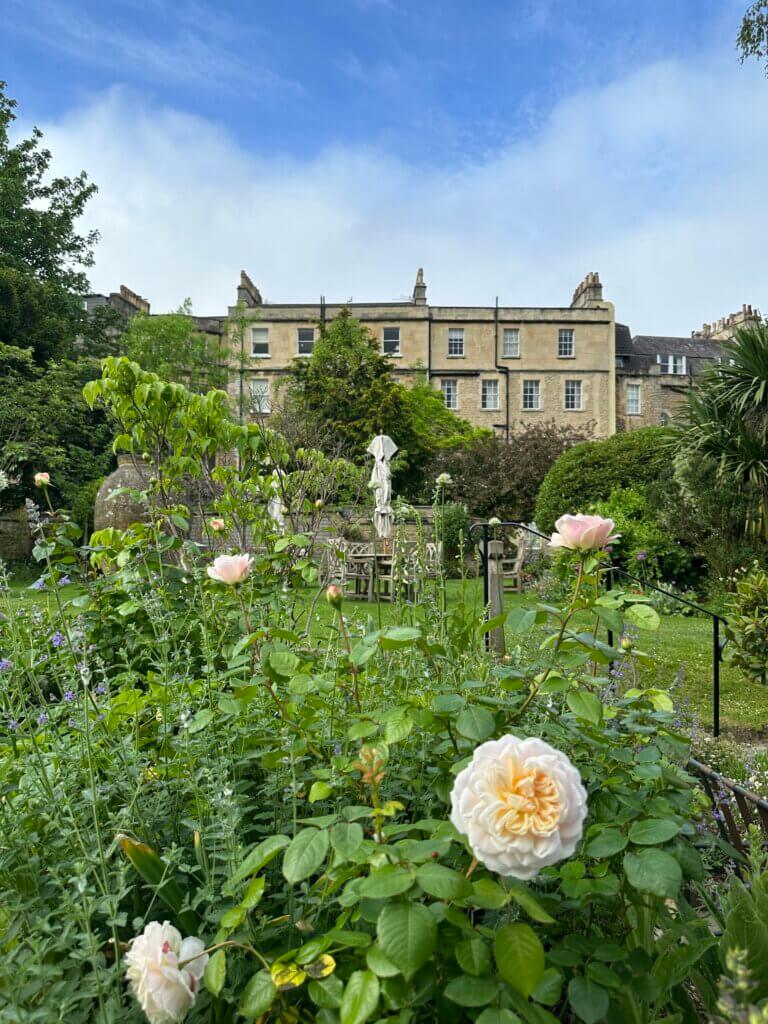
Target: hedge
(590,471)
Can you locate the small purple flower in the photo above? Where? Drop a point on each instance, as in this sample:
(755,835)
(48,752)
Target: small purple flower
(69,696)
(5,664)
(64,581)
(100,689)
(641,556)
(58,639)
(100,717)
(42,718)
(13,725)
(39,584)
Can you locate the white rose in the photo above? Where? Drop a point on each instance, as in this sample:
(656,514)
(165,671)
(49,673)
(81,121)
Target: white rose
(165,991)
(521,805)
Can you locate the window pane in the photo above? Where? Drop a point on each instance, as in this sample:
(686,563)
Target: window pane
(305,341)
(633,399)
(531,394)
(573,394)
(565,343)
(511,342)
(450,390)
(391,341)
(456,341)
(489,394)
(259,341)
(260,396)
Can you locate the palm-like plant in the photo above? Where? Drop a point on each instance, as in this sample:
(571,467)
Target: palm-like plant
(727,417)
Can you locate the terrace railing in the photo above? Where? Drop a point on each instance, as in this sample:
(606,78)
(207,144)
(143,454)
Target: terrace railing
(734,808)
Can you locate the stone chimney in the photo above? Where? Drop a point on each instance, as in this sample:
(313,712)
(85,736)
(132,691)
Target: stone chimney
(247,292)
(589,292)
(132,299)
(723,329)
(420,289)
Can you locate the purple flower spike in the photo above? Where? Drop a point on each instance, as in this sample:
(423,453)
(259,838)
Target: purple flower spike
(58,639)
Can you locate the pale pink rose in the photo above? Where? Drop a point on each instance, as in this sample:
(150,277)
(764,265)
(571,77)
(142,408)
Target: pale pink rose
(334,596)
(521,805)
(42,479)
(583,533)
(165,990)
(218,525)
(230,569)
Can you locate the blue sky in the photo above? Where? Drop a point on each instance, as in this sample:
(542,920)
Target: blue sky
(335,146)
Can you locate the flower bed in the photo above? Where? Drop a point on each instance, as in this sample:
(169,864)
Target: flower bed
(210,815)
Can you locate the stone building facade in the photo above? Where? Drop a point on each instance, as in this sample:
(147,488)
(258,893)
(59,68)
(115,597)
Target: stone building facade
(497,366)
(655,372)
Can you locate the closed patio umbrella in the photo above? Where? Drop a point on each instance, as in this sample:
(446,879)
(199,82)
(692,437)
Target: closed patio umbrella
(382,448)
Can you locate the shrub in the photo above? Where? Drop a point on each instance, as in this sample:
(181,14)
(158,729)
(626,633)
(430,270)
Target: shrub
(645,548)
(708,515)
(451,526)
(593,470)
(748,624)
(494,477)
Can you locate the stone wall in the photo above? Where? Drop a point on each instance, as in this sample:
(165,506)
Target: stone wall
(15,538)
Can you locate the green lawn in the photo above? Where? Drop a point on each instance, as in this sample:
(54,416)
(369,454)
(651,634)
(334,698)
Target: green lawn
(681,649)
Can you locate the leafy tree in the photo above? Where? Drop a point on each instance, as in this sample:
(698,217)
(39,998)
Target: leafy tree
(496,478)
(727,419)
(36,314)
(171,346)
(38,211)
(45,425)
(752,40)
(345,394)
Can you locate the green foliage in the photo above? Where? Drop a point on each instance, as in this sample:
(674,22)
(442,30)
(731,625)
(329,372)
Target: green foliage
(706,514)
(451,525)
(45,425)
(727,419)
(590,472)
(752,40)
(747,628)
(745,909)
(494,477)
(286,795)
(344,394)
(38,315)
(38,210)
(645,547)
(172,347)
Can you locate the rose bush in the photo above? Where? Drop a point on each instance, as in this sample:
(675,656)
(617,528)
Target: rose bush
(359,820)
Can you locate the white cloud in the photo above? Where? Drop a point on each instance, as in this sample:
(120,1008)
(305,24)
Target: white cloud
(656,180)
